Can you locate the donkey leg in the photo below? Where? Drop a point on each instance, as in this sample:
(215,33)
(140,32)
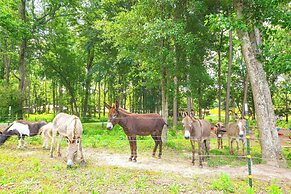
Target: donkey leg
(207,146)
(193,151)
(231,147)
(134,149)
(25,143)
(200,153)
(19,141)
(237,145)
(221,145)
(160,146)
(59,145)
(131,148)
(156,145)
(54,134)
(81,152)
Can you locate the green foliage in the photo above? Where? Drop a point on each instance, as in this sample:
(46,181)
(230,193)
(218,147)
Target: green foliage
(274,189)
(223,184)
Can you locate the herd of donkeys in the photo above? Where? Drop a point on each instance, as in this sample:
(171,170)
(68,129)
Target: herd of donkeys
(70,127)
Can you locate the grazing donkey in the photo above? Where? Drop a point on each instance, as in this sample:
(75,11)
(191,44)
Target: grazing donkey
(136,124)
(46,133)
(197,130)
(21,129)
(71,128)
(236,131)
(219,129)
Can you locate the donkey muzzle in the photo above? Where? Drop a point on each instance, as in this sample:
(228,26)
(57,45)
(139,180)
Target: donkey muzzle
(109,126)
(69,163)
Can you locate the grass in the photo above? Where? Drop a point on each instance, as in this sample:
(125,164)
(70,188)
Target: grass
(31,171)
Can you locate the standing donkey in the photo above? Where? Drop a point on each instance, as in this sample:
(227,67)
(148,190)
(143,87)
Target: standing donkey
(70,127)
(22,129)
(236,131)
(197,130)
(219,130)
(136,124)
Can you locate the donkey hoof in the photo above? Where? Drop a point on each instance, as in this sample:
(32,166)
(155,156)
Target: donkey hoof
(130,159)
(134,160)
(153,155)
(160,157)
(59,155)
(201,166)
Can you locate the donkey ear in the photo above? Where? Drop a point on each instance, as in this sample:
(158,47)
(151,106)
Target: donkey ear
(117,105)
(183,114)
(107,105)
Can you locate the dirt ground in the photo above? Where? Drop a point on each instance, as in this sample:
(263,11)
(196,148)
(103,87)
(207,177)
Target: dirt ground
(184,167)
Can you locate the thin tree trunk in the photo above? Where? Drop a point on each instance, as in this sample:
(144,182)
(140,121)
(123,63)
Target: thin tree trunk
(54,96)
(164,106)
(219,76)
(189,105)
(22,61)
(228,80)
(175,110)
(99,99)
(61,106)
(270,144)
(88,80)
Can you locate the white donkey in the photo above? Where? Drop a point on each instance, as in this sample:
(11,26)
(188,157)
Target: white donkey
(70,127)
(46,133)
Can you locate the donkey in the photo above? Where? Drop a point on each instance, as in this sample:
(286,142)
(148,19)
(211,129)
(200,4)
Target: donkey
(236,131)
(219,130)
(46,133)
(136,124)
(71,128)
(197,130)
(21,129)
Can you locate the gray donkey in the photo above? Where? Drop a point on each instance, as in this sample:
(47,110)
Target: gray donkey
(197,130)
(70,127)
(236,131)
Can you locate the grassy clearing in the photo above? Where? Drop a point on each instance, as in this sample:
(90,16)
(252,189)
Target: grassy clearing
(32,171)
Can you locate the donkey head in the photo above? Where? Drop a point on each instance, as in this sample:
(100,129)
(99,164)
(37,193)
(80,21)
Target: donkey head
(219,130)
(73,146)
(187,125)
(112,115)
(241,127)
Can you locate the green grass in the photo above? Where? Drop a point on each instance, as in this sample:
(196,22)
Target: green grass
(31,171)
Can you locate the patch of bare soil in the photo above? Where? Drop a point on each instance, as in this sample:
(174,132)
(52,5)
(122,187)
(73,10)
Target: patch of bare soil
(184,167)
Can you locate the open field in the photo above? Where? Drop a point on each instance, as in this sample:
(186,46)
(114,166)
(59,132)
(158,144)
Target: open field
(107,170)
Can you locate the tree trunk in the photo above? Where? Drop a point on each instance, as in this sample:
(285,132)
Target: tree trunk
(175,110)
(88,80)
(22,61)
(228,80)
(189,105)
(270,144)
(164,106)
(54,96)
(219,76)
(61,105)
(99,99)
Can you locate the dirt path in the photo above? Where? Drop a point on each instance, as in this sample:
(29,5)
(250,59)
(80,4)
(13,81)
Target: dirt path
(184,167)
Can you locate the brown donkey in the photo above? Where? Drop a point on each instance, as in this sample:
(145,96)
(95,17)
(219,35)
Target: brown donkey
(219,130)
(197,130)
(136,124)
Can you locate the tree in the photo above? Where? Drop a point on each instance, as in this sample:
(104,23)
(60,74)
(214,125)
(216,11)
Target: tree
(270,144)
